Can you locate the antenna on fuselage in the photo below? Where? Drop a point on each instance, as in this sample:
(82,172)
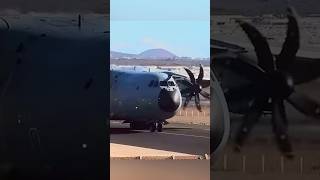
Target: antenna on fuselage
(79,21)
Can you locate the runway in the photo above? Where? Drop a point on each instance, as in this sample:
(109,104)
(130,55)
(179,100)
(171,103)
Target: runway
(185,140)
(180,139)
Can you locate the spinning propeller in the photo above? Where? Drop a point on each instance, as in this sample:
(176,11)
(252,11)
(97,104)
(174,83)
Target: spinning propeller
(276,85)
(194,89)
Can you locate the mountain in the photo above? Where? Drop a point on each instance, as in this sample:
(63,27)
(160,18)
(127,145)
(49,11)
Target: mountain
(120,55)
(156,54)
(148,54)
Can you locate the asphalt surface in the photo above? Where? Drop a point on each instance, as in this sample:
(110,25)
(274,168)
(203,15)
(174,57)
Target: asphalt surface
(160,170)
(181,138)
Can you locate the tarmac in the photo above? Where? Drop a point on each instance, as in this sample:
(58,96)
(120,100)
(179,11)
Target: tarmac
(180,151)
(177,141)
(160,170)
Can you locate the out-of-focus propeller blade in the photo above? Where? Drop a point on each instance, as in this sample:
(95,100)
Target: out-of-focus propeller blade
(249,120)
(305,104)
(205,94)
(200,76)
(191,76)
(250,91)
(274,82)
(186,102)
(292,43)
(280,127)
(197,101)
(261,46)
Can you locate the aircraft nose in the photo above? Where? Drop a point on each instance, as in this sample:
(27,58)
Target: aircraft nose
(169,101)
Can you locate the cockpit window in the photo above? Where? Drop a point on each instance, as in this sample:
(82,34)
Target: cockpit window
(163,83)
(171,83)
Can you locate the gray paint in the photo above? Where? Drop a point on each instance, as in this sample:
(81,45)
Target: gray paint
(132,99)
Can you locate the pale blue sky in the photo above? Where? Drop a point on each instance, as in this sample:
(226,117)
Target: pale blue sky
(180,26)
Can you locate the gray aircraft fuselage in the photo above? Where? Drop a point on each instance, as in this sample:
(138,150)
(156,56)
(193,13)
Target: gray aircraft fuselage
(143,96)
(53,88)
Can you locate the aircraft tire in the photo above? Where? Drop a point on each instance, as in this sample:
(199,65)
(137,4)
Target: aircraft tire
(132,126)
(153,127)
(159,127)
(139,126)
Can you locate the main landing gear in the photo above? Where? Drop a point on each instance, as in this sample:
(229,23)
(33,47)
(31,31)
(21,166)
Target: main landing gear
(159,127)
(156,126)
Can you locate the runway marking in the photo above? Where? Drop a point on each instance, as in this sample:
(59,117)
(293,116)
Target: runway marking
(187,135)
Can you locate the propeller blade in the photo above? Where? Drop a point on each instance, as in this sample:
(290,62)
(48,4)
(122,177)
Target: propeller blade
(261,46)
(240,67)
(249,91)
(197,101)
(191,76)
(249,120)
(291,44)
(205,94)
(205,83)
(305,105)
(200,76)
(280,127)
(186,102)
(186,91)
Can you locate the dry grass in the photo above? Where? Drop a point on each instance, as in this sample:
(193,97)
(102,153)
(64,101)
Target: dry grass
(192,116)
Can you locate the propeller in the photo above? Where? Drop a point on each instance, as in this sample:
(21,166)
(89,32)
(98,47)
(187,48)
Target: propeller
(194,89)
(275,86)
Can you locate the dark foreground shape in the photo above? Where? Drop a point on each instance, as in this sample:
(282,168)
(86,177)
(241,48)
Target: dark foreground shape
(219,117)
(53,85)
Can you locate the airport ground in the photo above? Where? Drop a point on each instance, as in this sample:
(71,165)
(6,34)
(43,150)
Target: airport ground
(175,140)
(191,115)
(186,137)
(160,170)
(260,158)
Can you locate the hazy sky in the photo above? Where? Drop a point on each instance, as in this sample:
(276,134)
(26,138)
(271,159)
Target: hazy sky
(180,26)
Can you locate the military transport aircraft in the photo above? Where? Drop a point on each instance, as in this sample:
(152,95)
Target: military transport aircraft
(260,80)
(147,99)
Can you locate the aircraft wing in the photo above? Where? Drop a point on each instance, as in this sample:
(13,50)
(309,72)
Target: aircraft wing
(221,46)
